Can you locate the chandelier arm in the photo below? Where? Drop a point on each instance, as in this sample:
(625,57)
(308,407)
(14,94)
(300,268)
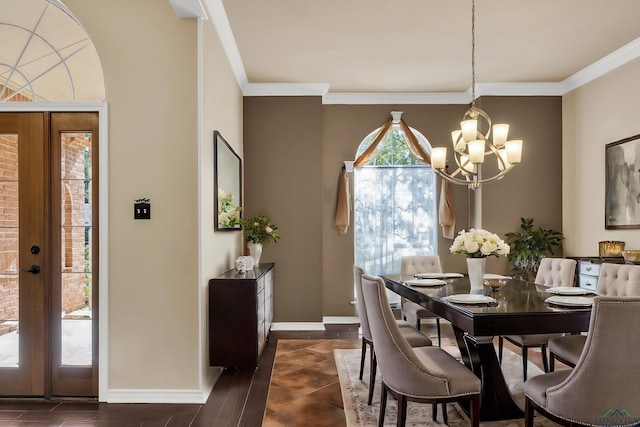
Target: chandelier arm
(472,183)
(452,178)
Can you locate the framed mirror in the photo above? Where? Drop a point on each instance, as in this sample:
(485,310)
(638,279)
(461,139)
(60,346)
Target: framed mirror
(227,183)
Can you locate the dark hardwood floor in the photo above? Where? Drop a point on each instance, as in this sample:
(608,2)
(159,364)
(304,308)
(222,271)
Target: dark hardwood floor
(238,398)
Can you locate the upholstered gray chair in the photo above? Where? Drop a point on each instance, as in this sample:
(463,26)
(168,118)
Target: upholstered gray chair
(414,337)
(603,387)
(552,272)
(420,264)
(423,374)
(614,280)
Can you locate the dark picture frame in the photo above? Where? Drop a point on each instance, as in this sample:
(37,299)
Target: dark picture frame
(227,182)
(622,190)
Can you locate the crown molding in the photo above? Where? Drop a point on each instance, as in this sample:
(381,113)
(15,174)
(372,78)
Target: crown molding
(222,26)
(519,89)
(188,8)
(615,59)
(396,98)
(285,89)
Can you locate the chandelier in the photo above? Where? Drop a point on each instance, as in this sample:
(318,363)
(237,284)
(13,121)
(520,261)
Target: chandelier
(472,143)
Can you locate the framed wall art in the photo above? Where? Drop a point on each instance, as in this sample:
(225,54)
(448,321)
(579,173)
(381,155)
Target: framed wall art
(622,191)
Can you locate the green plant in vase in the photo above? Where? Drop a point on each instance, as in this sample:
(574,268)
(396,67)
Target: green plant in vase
(258,231)
(529,246)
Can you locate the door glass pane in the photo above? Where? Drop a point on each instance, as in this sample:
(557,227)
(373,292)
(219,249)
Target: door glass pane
(76,227)
(9,245)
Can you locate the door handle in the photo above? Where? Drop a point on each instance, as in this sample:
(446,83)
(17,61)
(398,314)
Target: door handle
(34,269)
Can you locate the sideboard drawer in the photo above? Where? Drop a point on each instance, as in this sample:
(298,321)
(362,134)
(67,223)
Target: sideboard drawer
(588,282)
(589,268)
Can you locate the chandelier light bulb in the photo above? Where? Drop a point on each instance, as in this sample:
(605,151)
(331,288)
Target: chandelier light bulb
(439,157)
(466,165)
(476,151)
(469,129)
(459,144)
(505,162)
(500,132)
(514,151)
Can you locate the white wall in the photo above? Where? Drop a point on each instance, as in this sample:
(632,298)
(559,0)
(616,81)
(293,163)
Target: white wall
(603,111)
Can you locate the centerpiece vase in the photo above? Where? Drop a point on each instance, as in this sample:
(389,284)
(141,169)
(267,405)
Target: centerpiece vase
(476,268)
(255,250)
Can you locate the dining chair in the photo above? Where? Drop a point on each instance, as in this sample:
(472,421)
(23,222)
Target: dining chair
(422,374)
(414,337)
(603,387)
(552,272)
(615,280)
(410,265)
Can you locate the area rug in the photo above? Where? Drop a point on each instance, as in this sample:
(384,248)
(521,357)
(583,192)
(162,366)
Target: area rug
(359,414)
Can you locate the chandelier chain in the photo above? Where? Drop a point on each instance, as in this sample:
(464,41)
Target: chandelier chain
(473,53)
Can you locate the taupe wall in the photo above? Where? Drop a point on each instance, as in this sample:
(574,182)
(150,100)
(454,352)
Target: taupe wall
(305,291)
(283,179)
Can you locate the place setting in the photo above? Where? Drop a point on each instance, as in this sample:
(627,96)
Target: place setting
(431,279)
(438,275)
(472,299)
(570,296)
(426,282)
(569,301)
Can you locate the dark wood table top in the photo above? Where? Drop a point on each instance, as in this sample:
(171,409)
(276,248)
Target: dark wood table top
(520,308)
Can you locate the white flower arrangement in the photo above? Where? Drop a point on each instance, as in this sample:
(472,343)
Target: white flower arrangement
(478,243)
(228,213)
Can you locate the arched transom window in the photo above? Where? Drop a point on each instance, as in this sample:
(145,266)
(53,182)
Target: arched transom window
(46,55)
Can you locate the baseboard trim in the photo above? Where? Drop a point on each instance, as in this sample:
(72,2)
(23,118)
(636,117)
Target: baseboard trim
(297,326)
(341,320)
(315,326)
(158,396)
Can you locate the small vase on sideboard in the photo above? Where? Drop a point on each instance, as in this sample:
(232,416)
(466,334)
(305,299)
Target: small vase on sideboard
(255,250)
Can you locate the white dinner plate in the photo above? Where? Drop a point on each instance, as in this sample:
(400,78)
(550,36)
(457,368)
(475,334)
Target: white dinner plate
(470,299)
(570,301)
(425,282)
(569,290)
(437,275)
(495,276)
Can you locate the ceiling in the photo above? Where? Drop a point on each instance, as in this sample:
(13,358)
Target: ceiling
(424,46)
(416,50)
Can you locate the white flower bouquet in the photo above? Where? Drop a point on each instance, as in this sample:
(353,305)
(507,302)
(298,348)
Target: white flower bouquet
(478,243)
(228,213)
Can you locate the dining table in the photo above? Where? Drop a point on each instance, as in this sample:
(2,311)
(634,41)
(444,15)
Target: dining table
(479,315)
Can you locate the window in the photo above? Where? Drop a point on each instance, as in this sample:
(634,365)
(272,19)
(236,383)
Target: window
(394,205)
(46,55)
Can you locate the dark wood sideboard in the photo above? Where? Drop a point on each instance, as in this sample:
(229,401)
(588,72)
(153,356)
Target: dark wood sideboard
(240,316)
